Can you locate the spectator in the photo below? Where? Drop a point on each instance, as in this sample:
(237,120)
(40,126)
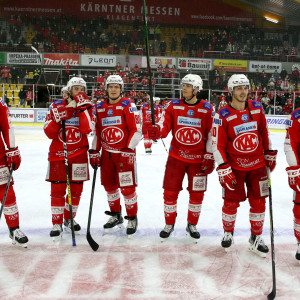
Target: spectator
(174,44)
(163,48)
(29,97)
(5,74)
(6,99)
(22,74)
(295,76)
(283,74)
(14,75)
(22,96)
(36,74)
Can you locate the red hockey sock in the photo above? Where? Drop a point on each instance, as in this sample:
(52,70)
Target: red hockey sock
(229,211)
(147,143)
(194,209)
(58,191)
(257,215)
(170,206)
(113,198)
(130,199)
(10,209)
(76,190)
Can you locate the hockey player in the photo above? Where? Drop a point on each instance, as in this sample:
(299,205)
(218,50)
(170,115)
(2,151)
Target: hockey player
(9,155)
(118,131)
(64,92)
(77,111)
(190,120)
(291,149)
(147,121)
(242,150)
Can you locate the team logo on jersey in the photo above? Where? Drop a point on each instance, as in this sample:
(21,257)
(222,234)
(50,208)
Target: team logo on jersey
(245,118)
(224,112)
(190,113)
(112,135)
(246,142)
(110,112)
(111,121)
(189,121)
(73,135)
(217,121)
(296,114)
(188,136)
(251,126)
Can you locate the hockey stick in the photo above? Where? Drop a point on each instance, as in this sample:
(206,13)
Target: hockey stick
(6,190)
(148,62)
(272,295)
(68,181)
(89,238)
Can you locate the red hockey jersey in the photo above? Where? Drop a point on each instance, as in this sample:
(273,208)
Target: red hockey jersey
(7,136)
(240,137)
(118,126)
(191,126)
(292,139)
(146,111)
(77,129)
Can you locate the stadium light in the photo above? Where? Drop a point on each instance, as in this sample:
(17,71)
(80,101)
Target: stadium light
(271,20)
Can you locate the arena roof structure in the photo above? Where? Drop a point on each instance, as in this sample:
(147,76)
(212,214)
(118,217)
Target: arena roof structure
(289,9)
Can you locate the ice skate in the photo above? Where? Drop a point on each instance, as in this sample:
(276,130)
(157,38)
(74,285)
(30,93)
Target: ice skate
(18,237)
(131,226)
(166,232)
(115,221)
(56,232)
(298,253)
(227,240)
(148,150)
(155,141)
(67,225)
(258,246)
(192,232)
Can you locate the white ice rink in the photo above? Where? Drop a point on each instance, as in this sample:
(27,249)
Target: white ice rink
(142,267)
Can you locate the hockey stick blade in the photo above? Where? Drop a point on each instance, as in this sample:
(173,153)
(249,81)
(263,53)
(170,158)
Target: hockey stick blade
(92,242)
(272,295)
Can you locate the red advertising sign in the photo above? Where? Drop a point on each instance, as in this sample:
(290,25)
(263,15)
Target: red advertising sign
(212,13)
(58,59)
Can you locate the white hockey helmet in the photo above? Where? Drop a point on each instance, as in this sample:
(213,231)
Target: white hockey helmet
(114,79)
(237,80)
(76,81)
(194,80)
(156,99)
(64,90)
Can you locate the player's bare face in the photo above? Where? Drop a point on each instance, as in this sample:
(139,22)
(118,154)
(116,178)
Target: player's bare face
(114,91)
(77,89)
(240,93)
(65,95)
(187,91)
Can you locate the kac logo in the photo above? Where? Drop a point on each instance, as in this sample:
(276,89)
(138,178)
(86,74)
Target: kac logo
(190,113)
(110,112)
(245,118)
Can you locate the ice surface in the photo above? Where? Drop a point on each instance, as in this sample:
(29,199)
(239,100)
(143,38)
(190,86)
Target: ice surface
(143,267)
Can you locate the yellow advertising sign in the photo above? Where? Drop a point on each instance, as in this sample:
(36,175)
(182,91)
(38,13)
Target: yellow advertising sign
(230,65)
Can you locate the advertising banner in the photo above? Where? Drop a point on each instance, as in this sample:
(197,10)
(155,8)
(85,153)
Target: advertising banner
(25,58)
(41,116)
(213,13)
(194,63)
(267,66)
(231,65)
(277,122)
(22,115)
(99,60)
(58,59)
(155,61)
